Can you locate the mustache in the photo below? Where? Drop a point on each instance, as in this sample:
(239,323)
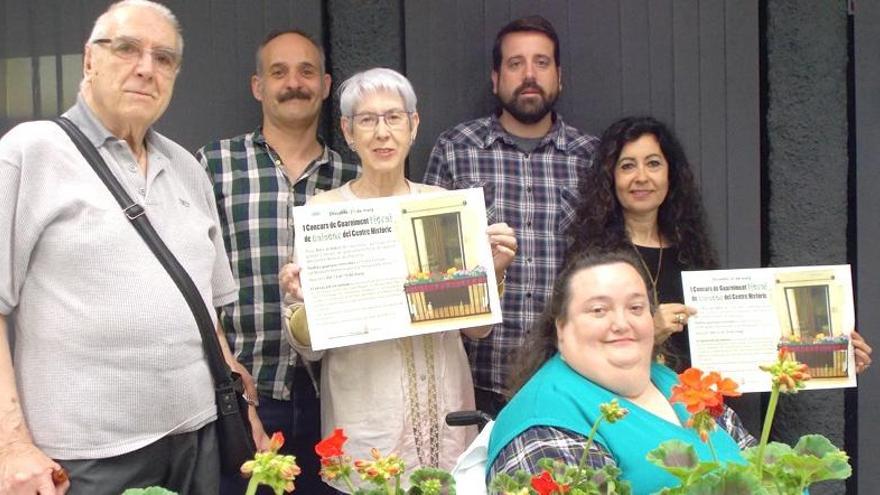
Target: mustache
(294,93)
(526,86)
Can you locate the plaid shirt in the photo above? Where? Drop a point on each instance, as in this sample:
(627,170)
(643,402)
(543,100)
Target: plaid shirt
(535,193)
(539,442)
(254,199)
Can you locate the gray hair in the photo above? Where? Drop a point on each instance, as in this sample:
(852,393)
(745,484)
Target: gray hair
(371,81)
(101,27)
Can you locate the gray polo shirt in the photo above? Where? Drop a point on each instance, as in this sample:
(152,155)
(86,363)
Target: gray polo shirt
(107,354)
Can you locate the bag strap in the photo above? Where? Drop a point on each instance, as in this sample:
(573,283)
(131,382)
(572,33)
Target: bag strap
(137,216)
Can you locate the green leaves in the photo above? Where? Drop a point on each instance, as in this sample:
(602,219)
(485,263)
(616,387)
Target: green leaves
(579,480)
(675,456)
(680,460)
(786,470)
(833,463)
(733,479)
(505,483)
(431,481)
(153,490)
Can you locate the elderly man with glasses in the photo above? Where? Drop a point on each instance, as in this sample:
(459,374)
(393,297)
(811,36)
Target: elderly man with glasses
(110,381)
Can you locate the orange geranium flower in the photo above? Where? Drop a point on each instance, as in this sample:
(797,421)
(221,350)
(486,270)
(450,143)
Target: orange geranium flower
(700,392)
(276,442)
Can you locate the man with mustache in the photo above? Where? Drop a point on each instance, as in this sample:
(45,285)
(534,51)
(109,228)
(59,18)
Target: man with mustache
(258,177)
(527,160)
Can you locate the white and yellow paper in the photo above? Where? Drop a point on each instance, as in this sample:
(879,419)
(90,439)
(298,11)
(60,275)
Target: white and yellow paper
(386,268)
(745,316)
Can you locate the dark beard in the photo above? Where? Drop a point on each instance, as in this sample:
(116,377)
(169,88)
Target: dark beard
(527,113)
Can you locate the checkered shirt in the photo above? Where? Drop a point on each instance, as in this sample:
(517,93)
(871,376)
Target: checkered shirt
(255,199)
(538,442)
(536,194)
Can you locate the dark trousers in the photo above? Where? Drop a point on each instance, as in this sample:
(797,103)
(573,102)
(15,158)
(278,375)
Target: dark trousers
(188,464)
(299,419)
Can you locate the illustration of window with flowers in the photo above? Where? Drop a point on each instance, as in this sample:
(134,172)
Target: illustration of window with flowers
(810,317)
(441,283)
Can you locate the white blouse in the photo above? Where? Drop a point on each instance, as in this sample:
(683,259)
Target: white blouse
(394,395)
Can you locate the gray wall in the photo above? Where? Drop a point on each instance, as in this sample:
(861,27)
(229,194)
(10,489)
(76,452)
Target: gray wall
(867,121)
(808,169)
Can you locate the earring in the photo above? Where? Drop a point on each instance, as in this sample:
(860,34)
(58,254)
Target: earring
(352,146)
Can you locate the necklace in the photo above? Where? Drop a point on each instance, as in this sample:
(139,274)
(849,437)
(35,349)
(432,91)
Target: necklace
(655,277)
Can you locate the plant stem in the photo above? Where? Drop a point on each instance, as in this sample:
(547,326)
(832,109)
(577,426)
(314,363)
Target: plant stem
(765,431)
(252,487)
(583,462)
(712,450)
(348,483)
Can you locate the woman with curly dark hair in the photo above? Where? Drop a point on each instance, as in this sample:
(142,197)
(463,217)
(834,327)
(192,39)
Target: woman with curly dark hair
(640,195)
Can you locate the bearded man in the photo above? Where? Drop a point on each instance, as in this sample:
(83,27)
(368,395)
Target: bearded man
(527,160)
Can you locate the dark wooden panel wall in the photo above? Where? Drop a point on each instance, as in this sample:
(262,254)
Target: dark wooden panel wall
(693,64)
(867,115)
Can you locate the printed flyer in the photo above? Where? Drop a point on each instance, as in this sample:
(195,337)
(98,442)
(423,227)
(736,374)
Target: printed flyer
(385,268)
(745,317)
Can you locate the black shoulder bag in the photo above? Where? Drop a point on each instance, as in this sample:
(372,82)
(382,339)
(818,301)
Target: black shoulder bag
(233,426)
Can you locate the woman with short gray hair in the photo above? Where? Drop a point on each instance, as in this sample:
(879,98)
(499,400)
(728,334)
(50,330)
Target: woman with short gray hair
(391,395)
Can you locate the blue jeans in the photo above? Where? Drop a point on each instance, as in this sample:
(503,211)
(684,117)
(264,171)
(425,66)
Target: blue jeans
(299,419)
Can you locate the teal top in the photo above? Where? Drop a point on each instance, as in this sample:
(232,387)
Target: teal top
(560,397)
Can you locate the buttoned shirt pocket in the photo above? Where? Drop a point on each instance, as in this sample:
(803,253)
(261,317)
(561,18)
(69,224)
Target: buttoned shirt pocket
(568,200)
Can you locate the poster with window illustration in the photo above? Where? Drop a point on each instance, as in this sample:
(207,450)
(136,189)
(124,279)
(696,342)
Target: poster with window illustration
(385,268)
(746,317)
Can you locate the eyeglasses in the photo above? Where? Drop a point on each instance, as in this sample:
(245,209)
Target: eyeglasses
(166,60)
(368,121)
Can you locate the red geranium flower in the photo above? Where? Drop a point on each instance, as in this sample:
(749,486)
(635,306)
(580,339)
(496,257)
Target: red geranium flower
(546,485)
(332,445)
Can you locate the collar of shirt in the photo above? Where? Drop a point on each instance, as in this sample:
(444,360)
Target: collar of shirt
(83,116)
(556,134)
(260,140)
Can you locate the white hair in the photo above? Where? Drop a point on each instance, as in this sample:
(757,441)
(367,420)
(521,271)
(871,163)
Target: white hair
(372,81)
(102,24)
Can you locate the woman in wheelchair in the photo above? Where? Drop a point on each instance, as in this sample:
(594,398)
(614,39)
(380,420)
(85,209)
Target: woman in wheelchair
(595,342)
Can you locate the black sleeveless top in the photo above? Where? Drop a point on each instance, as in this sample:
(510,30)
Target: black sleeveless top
(669,290)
